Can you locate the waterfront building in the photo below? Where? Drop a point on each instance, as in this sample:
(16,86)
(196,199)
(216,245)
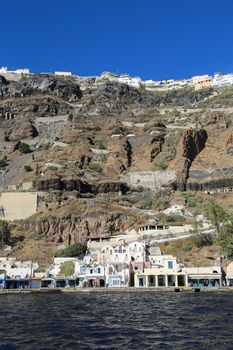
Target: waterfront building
(165,272)
(114,281)
(210,276)
(95,276)
(229,274)
(55,267)
(18,269)
(2,278)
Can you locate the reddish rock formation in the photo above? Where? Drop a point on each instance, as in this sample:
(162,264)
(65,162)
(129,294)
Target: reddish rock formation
(71,228)
(189,146)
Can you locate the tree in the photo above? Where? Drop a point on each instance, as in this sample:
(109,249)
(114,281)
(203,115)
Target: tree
(4,233)
(199,238)
(225,238)
(216,214)
(75,250)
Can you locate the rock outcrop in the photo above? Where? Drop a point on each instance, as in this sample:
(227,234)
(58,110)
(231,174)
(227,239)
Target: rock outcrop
(190,145)
(66,89)
(22,129)
(70,229)
(76,184)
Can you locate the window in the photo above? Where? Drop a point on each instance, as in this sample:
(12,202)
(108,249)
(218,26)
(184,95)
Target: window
(99,270)
(170,264)
(115,282)
(140,282)
(91,270)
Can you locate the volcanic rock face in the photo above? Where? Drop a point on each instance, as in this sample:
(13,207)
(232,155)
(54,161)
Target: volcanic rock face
(21,130)
(26,86)
(190,145)
(71,229)
(80,186)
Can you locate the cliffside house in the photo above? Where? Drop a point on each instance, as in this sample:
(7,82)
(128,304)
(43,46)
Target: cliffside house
(148,229)
(201,81)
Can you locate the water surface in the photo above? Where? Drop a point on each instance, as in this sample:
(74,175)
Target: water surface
(117,321)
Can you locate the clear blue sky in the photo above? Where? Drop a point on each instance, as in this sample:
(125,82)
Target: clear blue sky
(154,39)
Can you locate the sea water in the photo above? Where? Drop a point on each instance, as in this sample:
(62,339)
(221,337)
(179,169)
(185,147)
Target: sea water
(150,320)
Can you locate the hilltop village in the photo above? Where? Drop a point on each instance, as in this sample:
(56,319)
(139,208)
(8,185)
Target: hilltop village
(137,174)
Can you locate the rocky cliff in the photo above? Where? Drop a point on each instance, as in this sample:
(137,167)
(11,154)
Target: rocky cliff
(85,135)
(189,146)
(71,229)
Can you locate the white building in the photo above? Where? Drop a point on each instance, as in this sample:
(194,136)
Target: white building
(18,269)
(229,274)
(120,255)
(55,267)
(64,74)
(222,80)
(137,251)
(14,75)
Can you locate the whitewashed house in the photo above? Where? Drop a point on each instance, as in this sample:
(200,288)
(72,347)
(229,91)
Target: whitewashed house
(137,251)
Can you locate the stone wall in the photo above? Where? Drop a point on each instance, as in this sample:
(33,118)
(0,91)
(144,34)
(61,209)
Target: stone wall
(17,206)
(213,172)
(150,179)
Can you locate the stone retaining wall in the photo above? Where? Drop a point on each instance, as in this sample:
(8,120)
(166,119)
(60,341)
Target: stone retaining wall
(150,179)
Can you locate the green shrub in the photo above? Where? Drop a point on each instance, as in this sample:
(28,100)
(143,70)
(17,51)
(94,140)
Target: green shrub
(41,270)
(75,250)
(67,268)
(24,148)
(173,218)
(141,189)
(99,144)
(70,117)
(203,239)
(161,163)
(3,163)
(27,168)
(95,167)
(37,236)
(187,247)
(5,233)
(146,203)
(225,238)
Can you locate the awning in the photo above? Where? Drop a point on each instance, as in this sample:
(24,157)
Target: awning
(205,276)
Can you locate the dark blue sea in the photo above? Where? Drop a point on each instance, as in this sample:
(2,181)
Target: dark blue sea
(117,321)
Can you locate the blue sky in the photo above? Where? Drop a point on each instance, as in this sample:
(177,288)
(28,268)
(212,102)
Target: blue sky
(154,39)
